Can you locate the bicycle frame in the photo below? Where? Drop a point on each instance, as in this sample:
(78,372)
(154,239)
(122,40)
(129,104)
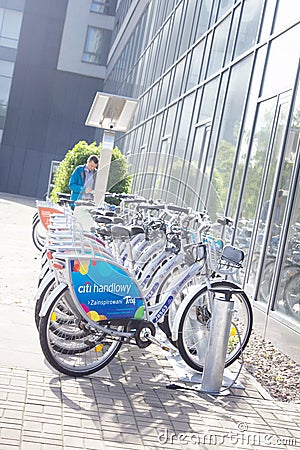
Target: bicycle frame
(133,306)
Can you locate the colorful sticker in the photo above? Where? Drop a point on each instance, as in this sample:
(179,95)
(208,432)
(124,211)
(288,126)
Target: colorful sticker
(105,291)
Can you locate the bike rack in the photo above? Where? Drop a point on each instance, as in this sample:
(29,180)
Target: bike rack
(218,340)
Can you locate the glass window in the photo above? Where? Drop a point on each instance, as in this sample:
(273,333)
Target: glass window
(286,13)
(157,126)
(188,20)
(244,143)
(262,165)
(248,28)
(165,90)
(173,43)
(5,83)
(216,107)
(268,17)
(274,206)
(6,68)
(10,26)
(148,74)
(195,66)
(184,126)
(224,6)
(208,101)
(100,7)
(171,117)
(283,54)
(200,148)
(95,51)
(288,295)
(203,18)
(258,153)
(160,58)
(232,34)
(208,41)
(230,125)
(218,46)
(177,84)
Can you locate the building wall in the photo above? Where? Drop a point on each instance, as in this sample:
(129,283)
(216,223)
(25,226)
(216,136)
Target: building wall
(218,126)
(48,104)
(70,55)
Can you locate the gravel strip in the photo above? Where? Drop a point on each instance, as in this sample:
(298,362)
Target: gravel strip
(274,370)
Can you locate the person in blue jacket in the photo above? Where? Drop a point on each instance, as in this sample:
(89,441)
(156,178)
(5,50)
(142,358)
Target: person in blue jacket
(82,180)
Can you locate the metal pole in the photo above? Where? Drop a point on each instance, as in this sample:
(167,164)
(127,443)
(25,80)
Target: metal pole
(104,166)
(217,344)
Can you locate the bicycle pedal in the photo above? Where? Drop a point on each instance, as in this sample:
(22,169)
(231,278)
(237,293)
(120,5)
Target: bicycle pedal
(160,344)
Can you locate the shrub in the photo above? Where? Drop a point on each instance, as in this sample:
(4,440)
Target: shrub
(119,179)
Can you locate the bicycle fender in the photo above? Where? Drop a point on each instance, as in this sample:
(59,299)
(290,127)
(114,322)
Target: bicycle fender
(56,291)
(181,308)
(44,271)
(48,278)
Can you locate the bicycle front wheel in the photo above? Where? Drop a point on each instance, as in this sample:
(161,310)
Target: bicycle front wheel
(38,234)
(193,331)
(69,345)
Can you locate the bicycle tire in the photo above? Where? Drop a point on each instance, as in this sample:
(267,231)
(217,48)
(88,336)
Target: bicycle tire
(37,237)
(39,302)
(67,356)
(68,334)
(193,330)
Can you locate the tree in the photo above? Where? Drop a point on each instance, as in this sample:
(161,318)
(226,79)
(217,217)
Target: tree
(119,179)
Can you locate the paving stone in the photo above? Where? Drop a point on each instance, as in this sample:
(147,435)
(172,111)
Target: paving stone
(12,433)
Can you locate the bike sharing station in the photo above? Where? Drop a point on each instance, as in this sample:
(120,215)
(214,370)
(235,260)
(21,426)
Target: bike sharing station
(96,304)
(114,113)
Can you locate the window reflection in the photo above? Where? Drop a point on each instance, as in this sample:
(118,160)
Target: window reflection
(10,25)
(100,7)
(230,125)
(255,170)
(218,47)
(195,66)
(287,299)
(94,51)
(272,208)
(248,29)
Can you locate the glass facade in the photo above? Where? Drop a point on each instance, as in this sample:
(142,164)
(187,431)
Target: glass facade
(218,125)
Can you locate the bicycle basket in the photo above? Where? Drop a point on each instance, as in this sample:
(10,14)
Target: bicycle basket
(231,260)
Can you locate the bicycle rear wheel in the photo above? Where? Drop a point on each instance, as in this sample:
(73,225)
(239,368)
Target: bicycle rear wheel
(193,331)
(69,345)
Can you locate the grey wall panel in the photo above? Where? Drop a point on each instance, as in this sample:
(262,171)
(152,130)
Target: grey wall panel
(5,162)
(17,156)
(30,173)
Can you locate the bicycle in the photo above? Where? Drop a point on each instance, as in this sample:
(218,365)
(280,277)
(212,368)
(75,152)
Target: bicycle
(77,340)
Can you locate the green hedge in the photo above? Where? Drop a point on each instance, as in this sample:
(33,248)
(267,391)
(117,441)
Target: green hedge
(119,179)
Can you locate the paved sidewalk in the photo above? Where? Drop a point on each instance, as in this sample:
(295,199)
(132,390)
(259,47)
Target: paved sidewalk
(129,404)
